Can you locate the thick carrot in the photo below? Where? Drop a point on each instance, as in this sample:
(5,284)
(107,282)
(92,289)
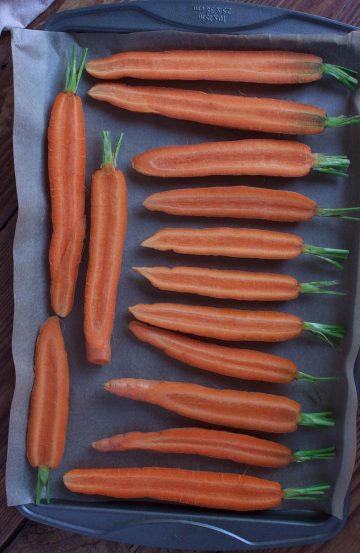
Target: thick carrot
(243,202)
(239,448)
(268,67)
(232,324)
(236,112)
(237,285)
(216,490)
(107,236)
(236,362)
(240,242)
(66,163)
(246,410)
(48,414)
(268,157)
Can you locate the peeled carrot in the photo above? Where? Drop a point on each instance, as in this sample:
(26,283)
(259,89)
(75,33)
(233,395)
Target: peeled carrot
(236,112)
(218,444)
(246,410)
(66,163)
(216,490)
(268,157)
(243,202)
(228,284)
(268,67)
(232,324)
(236,362)
(107,236)
(240,242)
(48,414)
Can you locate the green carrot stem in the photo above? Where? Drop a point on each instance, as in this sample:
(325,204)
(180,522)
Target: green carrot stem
(310,454)
(332,165)
(43,482)
(324,418)
(320,287)
(312,492)
(325,332)
(110,156)
(346,76)
(331,255)
(338,212)
(341,120)
(73,75)
(311,378)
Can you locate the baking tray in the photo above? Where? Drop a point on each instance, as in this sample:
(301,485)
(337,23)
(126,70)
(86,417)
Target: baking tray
(154,524)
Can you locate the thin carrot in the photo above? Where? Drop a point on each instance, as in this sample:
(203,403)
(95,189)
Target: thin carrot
(268,67)
(243,202)
(66,164)
(268,157)
(229,284)
(245,410)
(240,242)
(218,444)
(232,324)
(48,414)
(236,362)
(236,112)
(107,236)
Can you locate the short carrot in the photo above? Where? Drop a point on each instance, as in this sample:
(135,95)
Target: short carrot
(235,362)
(240,242)
(107,236)
(230,284)
(256,156)
(238,492)
(236,112)
(48,414)
(217,444)
(232,324)
(244,410)
(243,202)
(66,164)
(267,67)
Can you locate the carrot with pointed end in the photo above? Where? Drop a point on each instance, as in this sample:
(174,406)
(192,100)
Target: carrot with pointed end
(107,236)
(48,416)
(268,157)
(66,164)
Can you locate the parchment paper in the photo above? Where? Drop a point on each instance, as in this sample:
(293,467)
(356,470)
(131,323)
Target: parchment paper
(39,69)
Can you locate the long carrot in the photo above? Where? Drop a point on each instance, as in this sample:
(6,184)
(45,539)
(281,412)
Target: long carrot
(240,242)
(268,67)
(66,163)
(236,112)
(48,414)
(236,362)
(215,490)
(229,284)
(218,444)
(107,236)
(245,410)
(243,202)
(268,157)
(232,324)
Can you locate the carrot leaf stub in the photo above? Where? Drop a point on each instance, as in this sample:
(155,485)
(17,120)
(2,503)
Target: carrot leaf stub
(309,454)
(331,255)
(73,75)
(343,74)
(332,165)
(43,482)
(110,156)
(312,492)
(324,418)
(326,332)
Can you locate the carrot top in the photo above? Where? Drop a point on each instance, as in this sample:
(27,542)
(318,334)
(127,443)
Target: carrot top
(110,156)
(73,75)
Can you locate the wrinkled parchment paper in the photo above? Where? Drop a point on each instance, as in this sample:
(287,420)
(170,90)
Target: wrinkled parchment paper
(39,69)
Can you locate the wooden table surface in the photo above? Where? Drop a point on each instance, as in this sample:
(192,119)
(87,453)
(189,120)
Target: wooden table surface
(17,534)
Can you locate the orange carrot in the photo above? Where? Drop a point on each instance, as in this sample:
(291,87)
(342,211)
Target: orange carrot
(277,158)
(242,202)
(236,362)
(268,67)
(240,242)
(232,324)
(189,487)
(107,236)
(246,410)
(66,163)
(218,444)
(236,112)
(48,414)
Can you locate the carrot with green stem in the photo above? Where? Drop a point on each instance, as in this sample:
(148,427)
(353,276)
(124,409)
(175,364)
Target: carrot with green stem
(107,237)
(66,164)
